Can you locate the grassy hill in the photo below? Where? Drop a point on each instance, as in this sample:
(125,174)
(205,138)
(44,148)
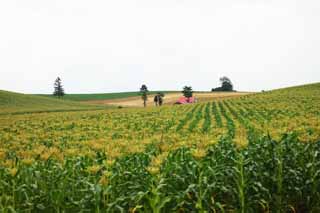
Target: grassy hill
(103,96)
(11,102)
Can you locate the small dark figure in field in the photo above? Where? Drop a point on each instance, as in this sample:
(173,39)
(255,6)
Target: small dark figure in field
(158,99)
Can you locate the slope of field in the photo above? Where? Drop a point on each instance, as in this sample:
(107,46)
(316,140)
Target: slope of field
(103,96)
(169,99)
(255,153)
(20,103)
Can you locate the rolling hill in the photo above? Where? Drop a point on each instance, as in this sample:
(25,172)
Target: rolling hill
(16,103)
(103,96)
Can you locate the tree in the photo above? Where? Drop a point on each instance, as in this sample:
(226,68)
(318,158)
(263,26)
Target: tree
(144,94)
(187,92)
(161,96)
(158,99)
(58,88)
(226,85)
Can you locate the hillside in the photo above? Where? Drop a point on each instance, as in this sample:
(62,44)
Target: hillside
(103,96)
(11,102)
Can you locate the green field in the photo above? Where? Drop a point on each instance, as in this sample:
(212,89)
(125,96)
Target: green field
(255,153)
(20,103)
(103,96)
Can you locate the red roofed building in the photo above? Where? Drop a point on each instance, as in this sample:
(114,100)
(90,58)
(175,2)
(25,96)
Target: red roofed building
(184,100)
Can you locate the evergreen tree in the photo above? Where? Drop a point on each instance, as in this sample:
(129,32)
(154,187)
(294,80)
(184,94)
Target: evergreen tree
(58,88)
(144,94)
(187,92)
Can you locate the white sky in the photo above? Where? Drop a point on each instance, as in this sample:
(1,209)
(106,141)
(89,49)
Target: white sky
(116,45)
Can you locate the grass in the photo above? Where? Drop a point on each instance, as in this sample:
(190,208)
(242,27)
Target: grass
(16,103)
(103,96)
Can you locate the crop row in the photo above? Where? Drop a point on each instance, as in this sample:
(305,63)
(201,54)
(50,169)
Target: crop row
(258,153)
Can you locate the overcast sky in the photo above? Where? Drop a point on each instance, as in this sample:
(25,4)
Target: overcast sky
(116,45)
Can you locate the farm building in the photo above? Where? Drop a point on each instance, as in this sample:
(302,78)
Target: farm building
(184,100)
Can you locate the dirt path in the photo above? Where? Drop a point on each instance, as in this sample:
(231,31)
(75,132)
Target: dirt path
(169,99)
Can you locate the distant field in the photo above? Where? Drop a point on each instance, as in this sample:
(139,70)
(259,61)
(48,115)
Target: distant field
(102,96)
(15,103)
(169,99)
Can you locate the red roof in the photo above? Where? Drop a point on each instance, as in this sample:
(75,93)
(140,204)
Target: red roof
(184,100)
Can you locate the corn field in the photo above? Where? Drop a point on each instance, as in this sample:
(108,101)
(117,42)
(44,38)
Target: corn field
(256,153)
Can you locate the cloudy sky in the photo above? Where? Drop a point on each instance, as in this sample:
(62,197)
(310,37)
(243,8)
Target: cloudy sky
(116,45)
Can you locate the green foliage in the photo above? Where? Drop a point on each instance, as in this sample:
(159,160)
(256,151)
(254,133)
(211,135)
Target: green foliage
(158,99)
(226,179)
(187,92)
(58,88)
(258,153)
(226,85)
(144,94)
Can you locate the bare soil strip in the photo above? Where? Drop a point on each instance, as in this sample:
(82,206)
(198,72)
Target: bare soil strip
(169,99)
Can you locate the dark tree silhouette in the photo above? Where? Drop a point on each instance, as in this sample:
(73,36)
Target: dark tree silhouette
(144,94)
(226,85)
(58,88)
(187,92)
(158,99)
(161,96)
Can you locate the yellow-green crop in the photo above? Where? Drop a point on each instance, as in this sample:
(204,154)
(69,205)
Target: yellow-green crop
(256,153)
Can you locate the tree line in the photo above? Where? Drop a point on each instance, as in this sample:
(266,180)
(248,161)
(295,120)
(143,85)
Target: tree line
(226,85)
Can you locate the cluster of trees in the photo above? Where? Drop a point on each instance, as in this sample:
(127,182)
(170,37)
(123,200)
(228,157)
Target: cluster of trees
(158,98)
(226,85)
